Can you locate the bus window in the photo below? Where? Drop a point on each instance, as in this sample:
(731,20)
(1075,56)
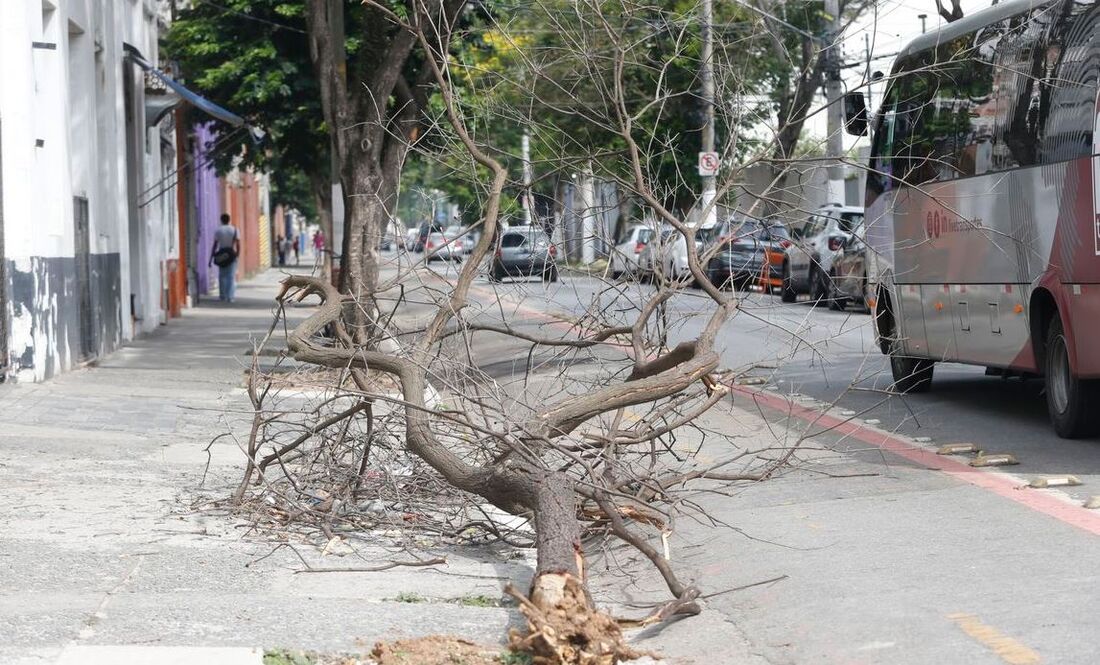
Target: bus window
(1070,85)
(882,147)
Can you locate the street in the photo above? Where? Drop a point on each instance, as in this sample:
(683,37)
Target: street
(898,563)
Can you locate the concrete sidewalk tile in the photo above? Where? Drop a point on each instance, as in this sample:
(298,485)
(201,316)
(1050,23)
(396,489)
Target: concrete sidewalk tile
(143,655)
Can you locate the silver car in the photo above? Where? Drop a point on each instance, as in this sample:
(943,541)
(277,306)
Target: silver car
(524,251)
(816,242)
(443,246)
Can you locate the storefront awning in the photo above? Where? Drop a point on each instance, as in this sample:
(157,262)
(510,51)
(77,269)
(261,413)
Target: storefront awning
(166,102)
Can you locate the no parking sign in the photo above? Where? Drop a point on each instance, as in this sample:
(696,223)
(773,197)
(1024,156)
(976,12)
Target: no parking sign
(708,163)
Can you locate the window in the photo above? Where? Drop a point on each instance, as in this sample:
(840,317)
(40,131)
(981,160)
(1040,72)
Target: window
(1069,84)
(513,240)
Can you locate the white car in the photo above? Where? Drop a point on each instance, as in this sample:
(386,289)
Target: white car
(674,253)
(651,254)
(815,244)
(411,236)
(625,255)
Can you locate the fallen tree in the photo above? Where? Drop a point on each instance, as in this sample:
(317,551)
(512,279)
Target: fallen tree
(582,441)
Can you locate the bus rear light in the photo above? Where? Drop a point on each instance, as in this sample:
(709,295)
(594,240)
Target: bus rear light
(639,247)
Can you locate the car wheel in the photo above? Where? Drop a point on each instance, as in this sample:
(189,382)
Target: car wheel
(1071,401)
(497,273)
(837,302)
(786,291)
(550,274)
(817,283)
(616,274)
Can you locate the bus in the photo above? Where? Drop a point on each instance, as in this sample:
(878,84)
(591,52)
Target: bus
(983,203)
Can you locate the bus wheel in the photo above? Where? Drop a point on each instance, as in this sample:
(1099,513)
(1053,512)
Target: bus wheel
(911,375)
(1071,401)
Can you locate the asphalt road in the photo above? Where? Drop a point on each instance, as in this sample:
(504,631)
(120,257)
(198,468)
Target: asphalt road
(898,560)
(832,357)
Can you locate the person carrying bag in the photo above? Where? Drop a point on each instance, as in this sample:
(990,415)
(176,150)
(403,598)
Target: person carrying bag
(224,253)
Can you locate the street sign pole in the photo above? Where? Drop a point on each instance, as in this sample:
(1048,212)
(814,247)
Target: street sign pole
(707,204)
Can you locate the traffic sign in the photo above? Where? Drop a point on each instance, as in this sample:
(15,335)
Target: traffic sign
(708,163)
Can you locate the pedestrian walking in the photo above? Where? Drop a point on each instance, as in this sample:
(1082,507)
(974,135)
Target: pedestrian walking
(280,247)
(224,253)
(294,248)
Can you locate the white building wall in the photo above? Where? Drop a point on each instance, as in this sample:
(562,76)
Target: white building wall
(63,113)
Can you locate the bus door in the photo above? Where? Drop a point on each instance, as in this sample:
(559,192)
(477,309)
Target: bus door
(1096,178)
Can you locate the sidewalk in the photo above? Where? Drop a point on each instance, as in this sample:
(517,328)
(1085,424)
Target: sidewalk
(99,544)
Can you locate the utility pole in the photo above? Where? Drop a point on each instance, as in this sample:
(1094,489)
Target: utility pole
(527,178)
(706,73)
(833,94)
(588,216)
(336,21)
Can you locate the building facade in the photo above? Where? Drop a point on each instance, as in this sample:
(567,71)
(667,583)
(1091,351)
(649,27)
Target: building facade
(107,204)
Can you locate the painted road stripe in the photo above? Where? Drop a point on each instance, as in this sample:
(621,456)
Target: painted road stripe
(1009,650)
(1002,485)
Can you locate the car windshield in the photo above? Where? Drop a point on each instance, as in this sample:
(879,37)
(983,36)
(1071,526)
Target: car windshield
(645,235)
(850,221)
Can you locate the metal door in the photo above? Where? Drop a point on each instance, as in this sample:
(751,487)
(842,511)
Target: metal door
(82,253)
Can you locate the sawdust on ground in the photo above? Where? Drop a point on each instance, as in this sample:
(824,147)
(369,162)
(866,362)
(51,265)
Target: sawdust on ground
(435,650)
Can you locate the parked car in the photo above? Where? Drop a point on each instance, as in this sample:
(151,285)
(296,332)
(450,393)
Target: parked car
(411,238)
(524,251)
(849,274)
(443,246)
(625,255)
(750,252)
(815,243)
(425,229)
(651,254)
(674,254)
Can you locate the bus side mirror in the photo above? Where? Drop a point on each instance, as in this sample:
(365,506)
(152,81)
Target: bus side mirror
(855,114)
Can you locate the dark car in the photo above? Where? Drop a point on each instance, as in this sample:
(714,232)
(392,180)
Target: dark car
(524,251)
(745,253)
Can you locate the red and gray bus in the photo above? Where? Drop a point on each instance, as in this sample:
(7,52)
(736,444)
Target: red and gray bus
(983,203)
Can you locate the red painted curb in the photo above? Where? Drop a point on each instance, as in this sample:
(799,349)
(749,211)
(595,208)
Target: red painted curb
(1041,502)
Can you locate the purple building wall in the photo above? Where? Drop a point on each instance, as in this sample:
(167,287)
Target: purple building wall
(207,202)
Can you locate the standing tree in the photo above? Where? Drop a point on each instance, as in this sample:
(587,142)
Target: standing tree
(374,88)
(253,56)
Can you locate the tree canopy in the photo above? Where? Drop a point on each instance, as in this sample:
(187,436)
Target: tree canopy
(252,56)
